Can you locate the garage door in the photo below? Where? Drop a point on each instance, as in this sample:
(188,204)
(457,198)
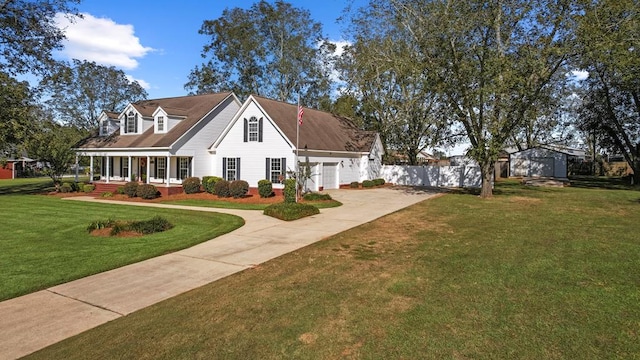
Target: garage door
(330,175)
(542,166)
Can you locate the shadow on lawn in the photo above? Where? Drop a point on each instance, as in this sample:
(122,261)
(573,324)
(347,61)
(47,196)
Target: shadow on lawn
(602,182)
(27,188)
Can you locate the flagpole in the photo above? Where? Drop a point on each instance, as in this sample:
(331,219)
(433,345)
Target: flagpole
(297,139)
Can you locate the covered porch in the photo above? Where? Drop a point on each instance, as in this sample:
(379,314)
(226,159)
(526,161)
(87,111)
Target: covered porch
(115,169)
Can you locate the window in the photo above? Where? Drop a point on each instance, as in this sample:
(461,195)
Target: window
(161,165)
(276,169)
(253,129)
(124,167)
(160,123)
(131,123)
(184,170)
(231,169)
(105,128)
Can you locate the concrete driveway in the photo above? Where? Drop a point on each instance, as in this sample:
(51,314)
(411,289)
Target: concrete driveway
(37,320)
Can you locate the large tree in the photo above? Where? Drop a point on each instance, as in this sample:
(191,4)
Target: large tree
(271,49)
(28,33)
(493,61)
(609,43)
(383,69)
(51,143)
(16,102)
(79,92)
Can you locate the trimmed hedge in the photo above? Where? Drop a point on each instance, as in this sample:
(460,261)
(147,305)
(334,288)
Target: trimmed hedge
(66,188)
(131,189)
(354,185)
(222,189)
(290,190)
(191,185)
(88,188)
(367,184)
(147,191)
(265,188)
(209,182)
(290,211)
(378,182)
(312,196)
(238,188)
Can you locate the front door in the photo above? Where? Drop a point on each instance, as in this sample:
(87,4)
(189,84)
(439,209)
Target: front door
(143,169)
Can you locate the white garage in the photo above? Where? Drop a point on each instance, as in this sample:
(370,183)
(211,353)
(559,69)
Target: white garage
(330,176)
(538,162)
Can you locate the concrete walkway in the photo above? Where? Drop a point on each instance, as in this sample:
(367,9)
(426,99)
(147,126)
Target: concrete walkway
(34,321)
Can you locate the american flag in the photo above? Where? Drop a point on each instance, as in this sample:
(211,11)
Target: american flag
(300,113)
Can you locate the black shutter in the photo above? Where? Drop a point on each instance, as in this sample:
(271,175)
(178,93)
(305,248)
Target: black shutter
(246,130)
(155,168)
(238,169)
(111,162)
(122,174)
(136,122)
(224,168)
(260,130)
(283,169)
(189,169)
(267,168)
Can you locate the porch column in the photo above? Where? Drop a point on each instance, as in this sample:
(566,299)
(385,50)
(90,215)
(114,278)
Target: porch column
(148,169)
(76,167)
(107,168)
(129,168)
(91,168)
(167,170)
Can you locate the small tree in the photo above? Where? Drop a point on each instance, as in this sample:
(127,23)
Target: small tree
(290,190)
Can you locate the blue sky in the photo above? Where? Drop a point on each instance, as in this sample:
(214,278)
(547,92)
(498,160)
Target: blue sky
(157,43)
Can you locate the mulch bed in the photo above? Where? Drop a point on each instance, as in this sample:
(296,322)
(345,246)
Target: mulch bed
(106,232)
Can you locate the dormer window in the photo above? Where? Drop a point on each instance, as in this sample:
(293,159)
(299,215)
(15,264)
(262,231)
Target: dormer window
(161,124)
(131,123)
(104,129)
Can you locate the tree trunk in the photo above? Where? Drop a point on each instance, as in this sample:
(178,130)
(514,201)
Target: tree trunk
(486,171)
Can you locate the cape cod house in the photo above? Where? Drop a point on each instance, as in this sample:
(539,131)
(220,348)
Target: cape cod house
(164,141)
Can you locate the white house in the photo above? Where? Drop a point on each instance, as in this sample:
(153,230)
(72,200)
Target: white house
(538,162)
(164,141)
(160,141)
(261,140)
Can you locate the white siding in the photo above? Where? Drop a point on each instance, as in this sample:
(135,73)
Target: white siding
(254,153)
(197,141)
(538,162)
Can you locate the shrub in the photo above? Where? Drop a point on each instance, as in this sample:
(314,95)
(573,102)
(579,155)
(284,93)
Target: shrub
(316,197)
(238,188)
(131,189)
(100,224)
(88,188)
(354,185)
(120,190)
(290,190)
(147,191)
(66,188)
(222,188)
(265,188)
(209,182)
(154,225)
(191,185)
(76,186)
(378,182)
(106,194)
(367,184)
(290,211)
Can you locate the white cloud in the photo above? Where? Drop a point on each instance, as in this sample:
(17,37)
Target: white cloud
(340,44)
(145,85)
(579,75)
(101,40)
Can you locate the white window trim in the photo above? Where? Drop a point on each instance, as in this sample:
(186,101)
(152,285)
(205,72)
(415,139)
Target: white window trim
(183,165)
(273,172)
(131,115)
(229,169)
(164,124)
(253,134)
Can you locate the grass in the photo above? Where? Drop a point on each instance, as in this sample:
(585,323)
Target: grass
(533,273)
(46,242)
(245,206)
(26,186)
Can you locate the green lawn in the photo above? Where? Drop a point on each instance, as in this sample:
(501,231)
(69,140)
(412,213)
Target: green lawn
(45,241)
(245,206)
(534,273)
